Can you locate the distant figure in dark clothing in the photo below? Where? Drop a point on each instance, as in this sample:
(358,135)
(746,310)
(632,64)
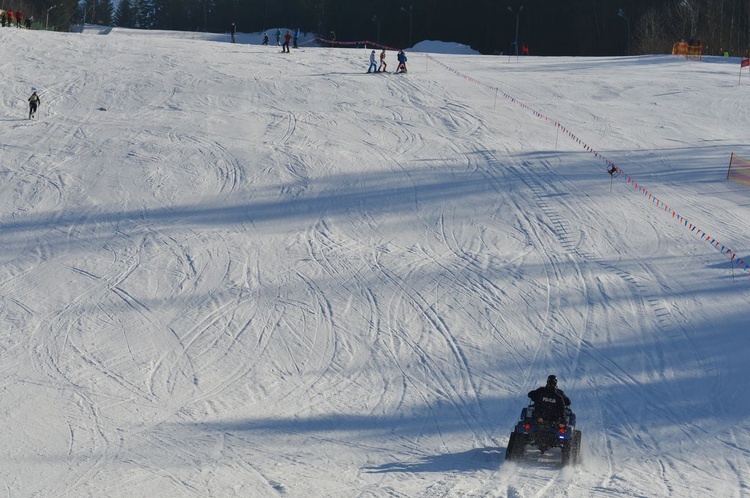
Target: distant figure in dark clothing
(265,39)
(33,104)
(549,401)
(233,30)
(287,38)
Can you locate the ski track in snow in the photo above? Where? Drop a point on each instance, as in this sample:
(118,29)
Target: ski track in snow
(255,275)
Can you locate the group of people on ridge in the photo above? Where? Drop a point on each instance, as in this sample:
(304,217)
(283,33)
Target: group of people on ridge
(288,36)
(6,19)
(383,67)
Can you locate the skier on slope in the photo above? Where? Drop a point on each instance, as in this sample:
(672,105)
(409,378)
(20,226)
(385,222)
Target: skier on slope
(373,64)
(383,65)
(401,62)
(34,102)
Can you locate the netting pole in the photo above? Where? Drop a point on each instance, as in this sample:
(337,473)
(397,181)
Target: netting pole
(729,169)
(557,135)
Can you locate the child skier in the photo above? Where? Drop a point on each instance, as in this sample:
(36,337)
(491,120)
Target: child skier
(373,64)
(383,65)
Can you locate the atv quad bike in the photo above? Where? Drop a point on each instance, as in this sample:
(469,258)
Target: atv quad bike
(537,432)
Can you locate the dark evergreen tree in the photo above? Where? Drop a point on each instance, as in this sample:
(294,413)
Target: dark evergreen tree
(124,15)
(574,27)
(105,12)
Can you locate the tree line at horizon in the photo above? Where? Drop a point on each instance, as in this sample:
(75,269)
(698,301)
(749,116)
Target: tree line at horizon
(575,27)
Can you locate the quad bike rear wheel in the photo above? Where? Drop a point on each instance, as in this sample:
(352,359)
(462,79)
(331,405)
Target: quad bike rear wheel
(516,446)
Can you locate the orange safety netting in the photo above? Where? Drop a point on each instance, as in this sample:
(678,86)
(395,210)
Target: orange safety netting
(684,49)
(739,170)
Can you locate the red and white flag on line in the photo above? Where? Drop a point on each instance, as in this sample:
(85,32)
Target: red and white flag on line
(743,63)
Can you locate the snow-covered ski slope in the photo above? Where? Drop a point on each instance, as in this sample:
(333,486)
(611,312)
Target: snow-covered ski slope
(227,271)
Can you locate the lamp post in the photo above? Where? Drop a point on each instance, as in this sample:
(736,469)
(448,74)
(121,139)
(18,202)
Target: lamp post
(621,13)
(377,21)
(411,10)
(517,14)
(46,23)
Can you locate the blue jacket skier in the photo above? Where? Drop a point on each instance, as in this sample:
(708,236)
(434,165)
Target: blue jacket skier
(401,62)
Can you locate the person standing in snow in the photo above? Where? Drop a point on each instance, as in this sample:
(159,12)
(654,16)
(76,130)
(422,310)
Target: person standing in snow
(373,64)
(296,38)
(287,38)
(401,62)
(33,104)
(265,39)
(19,18)
(278,36)
(233,30)
(383,65)
(10,18)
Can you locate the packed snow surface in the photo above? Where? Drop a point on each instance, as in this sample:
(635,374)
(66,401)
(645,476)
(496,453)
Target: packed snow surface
(227,271)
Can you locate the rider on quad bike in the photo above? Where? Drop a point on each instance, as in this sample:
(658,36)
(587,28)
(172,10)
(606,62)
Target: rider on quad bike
(547,423)
(550,402)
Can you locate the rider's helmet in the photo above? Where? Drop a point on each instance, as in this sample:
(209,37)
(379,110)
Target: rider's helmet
(552,381)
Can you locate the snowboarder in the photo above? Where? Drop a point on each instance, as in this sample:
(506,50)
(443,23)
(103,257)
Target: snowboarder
(383,65)
(265,39)
(287,37)
(33,104)
(233,30)
(296,38)
(19,18)
(278,36)
(373,64)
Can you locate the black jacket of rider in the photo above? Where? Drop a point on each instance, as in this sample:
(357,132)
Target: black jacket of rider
(565,398)
(549,403)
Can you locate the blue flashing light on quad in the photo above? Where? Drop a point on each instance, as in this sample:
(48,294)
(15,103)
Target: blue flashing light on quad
(545,435)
